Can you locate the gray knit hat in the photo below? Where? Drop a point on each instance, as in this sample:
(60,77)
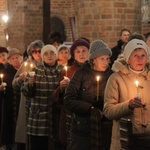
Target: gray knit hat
(33,45)
(98,48)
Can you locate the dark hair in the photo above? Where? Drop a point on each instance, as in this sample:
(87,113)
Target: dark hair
(124,30)
(136,35)
(147,35)
(86,39)
(55,37)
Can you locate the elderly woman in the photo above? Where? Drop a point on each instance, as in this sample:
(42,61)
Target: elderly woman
(127,95)
(39,88)
(84,96)
(34,59)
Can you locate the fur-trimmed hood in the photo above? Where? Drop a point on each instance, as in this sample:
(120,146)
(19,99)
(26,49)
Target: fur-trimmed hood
(120,65)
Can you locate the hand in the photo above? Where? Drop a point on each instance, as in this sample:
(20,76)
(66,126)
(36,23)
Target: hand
(64,83)
(135,103)
(22,76)
(98,104)
(31,80)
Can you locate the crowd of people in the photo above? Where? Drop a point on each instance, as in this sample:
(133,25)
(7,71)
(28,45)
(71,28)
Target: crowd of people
(73,98)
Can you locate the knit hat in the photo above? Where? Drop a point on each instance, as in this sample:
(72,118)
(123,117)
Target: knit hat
(3,49)
(62,47)
(79,42)
(13,51)
(48,48)
(98,48)
(33,45)
(132,45)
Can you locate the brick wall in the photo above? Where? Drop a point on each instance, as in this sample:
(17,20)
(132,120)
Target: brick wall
(94,19)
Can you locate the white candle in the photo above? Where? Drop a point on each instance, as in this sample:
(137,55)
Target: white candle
(97,79)
(66,68)
(137,87)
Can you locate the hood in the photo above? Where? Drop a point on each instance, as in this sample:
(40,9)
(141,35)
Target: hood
(120,65)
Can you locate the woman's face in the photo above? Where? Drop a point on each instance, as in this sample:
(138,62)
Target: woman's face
(16,60)
(64,55)
(81,54)
(3,58)
(49,58)
(36,54)
(138,59)
(101,63)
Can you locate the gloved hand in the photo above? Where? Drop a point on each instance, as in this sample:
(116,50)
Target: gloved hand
(98,104)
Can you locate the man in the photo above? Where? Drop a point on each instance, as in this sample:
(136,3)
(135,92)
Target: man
(124,36)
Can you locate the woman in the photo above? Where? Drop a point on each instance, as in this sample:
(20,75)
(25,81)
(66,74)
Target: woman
(10,99)
(82,98)
(34,59)
(79,52)
(124,98)
(39,88)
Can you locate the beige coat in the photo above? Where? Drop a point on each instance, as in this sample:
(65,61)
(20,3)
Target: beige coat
(119,90)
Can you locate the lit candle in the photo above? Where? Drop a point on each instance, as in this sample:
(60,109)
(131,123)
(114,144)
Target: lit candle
(25,64)
(97,79)
(1,75)
(137,87)
(66,68)
(31,65)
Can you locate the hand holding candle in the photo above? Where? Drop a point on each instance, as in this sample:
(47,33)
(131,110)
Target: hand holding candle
(97,93)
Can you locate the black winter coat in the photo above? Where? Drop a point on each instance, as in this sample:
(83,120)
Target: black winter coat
(80,96)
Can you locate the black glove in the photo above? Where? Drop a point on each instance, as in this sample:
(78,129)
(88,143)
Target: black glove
(98,104)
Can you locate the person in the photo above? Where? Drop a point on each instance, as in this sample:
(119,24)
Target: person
(147,37)
(34,59)
(55,39)
(116,50)
(63,55)
(79,52)
(3,58)
(83,95)
(39,88)
(10,99)
(122,98)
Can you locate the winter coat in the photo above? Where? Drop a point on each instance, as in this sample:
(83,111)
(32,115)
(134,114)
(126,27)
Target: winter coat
(58,98)
(8,106)
(116,51)
(119,90)
(20,135)
(80,96)
(40,111)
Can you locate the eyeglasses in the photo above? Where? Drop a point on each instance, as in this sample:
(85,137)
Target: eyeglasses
(35,51)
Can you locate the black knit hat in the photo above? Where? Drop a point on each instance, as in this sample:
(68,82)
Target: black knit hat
(79,42)
(3,49)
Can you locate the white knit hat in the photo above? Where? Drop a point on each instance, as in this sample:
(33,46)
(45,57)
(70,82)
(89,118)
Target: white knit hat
(134,44)
(48,48)
(98,48)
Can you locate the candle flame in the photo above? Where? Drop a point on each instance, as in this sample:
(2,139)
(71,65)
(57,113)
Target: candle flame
(1,75)
(98,78)
(25,64)
(66,68)
(31,65)
(137,83)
